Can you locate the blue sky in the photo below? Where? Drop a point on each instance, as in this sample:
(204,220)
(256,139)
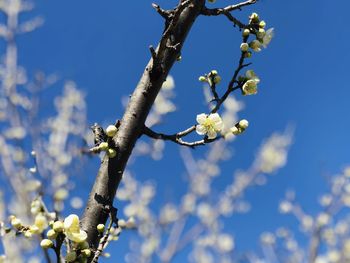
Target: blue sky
(103,47)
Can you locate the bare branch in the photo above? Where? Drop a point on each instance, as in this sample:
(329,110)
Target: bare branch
(132,124)
(177,137)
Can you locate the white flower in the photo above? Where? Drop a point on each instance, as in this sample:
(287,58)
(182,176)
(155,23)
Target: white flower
(250,87)
(41,222)
(267,37)
(209,124)
(72,229)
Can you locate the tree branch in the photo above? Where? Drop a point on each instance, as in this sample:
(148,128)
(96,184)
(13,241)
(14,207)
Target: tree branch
(177,137)
(132,124)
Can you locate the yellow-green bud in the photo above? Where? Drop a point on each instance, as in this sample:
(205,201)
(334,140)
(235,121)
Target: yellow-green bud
(34,229)
(131,223)
(111,130)
(243,124)
(246,32)
(255,45)
(121,223)
(46,243)
(103,146)
(217,79)
(51,234)
(214,72)
(254,18)
(100,228)
(61,194)
(16,223)
(28,234)
(244,47)
(58,226)
(248,54)
(83,245)
(235,130)
(71,256)
(261,33)
(212,1)
(111,153)
(86,252)
(262,24)
(202,79)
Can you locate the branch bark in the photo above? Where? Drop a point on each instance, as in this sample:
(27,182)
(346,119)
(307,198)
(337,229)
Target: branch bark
(132,124)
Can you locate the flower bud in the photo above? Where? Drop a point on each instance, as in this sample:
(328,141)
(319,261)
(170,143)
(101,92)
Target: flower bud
(86,252)
(217,79)
(255,45)
(243,124)
(254,18)
(213,72)
(122,223)
(51,234)
(202,79)
(262,24)
(234,130)
(58,226)
(28,234)
(111,153)
(100,228)
(34,229)
(246,32)
(261,33)
(244,47)
(46,243)
(111,130)
(130,223)
(16,223)
(103,146)
(212,1)
(248,54)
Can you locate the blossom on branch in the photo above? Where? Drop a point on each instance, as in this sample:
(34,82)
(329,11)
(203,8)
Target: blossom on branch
(72,229)
(209,124)
(250,87)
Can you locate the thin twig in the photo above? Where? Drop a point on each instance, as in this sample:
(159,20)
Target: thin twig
(177,137)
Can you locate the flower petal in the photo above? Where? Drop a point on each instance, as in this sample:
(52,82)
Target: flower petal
(79,237)
(211,134)
(201,130)
(201,118)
